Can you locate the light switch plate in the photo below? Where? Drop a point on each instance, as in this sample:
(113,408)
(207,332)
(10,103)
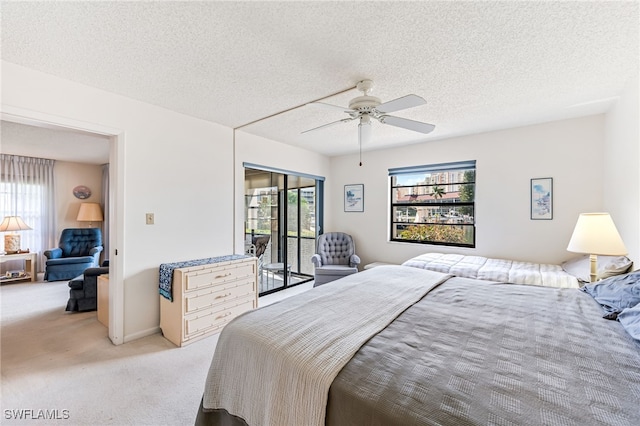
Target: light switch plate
(150,218)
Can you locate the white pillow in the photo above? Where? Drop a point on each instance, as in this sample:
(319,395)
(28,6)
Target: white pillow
(608,266)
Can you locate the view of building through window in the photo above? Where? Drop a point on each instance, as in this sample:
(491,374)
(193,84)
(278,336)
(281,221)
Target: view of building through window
(434,204)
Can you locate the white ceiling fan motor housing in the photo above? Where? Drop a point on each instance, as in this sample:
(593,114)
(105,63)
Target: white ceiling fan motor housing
(364,103)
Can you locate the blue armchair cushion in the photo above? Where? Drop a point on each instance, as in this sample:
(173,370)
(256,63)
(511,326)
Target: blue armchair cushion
(78,249)
(70,260)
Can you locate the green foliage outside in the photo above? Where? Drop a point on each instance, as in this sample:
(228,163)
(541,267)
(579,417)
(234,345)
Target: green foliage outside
(439,233)
(467,192)
(438,192)
(264,217)
(292,213)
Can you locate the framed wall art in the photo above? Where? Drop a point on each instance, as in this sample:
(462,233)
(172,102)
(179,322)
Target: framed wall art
(542,199)
(354,198)
(81,192)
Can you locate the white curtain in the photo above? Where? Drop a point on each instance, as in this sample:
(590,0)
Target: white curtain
(27,191)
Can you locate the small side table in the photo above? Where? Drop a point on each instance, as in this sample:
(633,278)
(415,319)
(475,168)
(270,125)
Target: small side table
(273,268)
(103,299)
(29,266)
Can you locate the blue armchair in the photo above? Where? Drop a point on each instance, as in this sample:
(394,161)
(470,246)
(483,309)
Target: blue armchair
(335,258)
(79,249)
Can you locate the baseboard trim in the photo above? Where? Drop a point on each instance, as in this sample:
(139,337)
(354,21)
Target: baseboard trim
(141,334)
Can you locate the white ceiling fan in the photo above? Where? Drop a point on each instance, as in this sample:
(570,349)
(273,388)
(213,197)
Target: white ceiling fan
(367,107)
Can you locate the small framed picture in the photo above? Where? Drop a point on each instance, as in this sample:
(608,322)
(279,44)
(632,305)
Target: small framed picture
(81,192)
(354,198)
(542,199)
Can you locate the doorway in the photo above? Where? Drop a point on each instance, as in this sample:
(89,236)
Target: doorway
(281,225)
(115,192)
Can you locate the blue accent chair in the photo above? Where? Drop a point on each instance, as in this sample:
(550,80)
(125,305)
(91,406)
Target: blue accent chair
(335,257)
(79,249)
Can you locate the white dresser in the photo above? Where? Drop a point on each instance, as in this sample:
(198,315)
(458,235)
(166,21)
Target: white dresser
(207,297)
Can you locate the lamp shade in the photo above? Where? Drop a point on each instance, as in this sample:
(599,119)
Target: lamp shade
(12,241)
(595,233)
(13,223)
(89,212)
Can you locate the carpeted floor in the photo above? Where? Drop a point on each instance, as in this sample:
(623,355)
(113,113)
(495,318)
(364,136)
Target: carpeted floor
(62,366)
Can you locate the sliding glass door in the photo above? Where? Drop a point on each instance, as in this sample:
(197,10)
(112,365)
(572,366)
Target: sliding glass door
(281,210)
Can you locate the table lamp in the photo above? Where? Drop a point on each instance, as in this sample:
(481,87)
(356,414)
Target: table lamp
(90,212)
(596,234)
(10,224)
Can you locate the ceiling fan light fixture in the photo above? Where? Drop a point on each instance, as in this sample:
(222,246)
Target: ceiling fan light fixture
(366,107)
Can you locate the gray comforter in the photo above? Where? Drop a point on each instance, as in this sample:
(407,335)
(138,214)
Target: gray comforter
(472,353)
(478,353)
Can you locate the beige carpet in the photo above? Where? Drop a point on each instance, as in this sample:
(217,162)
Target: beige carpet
(63,365)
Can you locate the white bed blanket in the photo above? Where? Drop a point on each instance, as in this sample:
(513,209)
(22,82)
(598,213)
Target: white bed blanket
(502,270)
(274,365)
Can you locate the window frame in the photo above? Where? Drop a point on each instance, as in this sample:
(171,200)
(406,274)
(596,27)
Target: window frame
(437,204)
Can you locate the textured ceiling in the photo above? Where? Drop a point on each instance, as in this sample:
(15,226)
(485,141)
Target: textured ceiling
(480,65)
(55,143)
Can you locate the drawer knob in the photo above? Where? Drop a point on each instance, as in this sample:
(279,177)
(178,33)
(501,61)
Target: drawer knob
(226,314)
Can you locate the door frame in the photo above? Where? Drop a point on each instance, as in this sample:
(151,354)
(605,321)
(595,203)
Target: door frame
(282,199)
(116,199)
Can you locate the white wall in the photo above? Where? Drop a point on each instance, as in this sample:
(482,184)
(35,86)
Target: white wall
(569,151)
(621,168)
(175,166)
(66,176)
(258,150)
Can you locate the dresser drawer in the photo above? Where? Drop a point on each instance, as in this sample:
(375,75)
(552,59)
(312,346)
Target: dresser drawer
(207,296)
(213,276)
(215,295)
(195,324)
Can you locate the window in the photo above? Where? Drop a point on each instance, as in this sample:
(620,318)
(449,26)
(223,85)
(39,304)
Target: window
(26,190)
(434,204)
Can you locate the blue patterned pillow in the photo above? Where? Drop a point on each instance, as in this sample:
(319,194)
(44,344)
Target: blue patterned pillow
(616,293)
(630,320)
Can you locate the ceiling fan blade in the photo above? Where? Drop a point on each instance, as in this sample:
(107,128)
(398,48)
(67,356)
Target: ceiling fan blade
(335,107)
(404,102)
(344,120)
(405,123)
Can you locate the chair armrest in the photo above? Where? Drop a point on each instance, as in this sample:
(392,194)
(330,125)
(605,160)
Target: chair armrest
(354,260)
(54,253)
(317,260)
(95,250)
(96,271)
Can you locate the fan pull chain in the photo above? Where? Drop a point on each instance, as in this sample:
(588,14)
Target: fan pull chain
(360,146)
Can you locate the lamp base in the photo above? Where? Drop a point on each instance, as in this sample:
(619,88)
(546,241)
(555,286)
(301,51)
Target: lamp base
(11,243)
(593,261)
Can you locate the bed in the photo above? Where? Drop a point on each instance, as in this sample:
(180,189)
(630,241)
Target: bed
(501,270)
(399,345)
(573,273)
